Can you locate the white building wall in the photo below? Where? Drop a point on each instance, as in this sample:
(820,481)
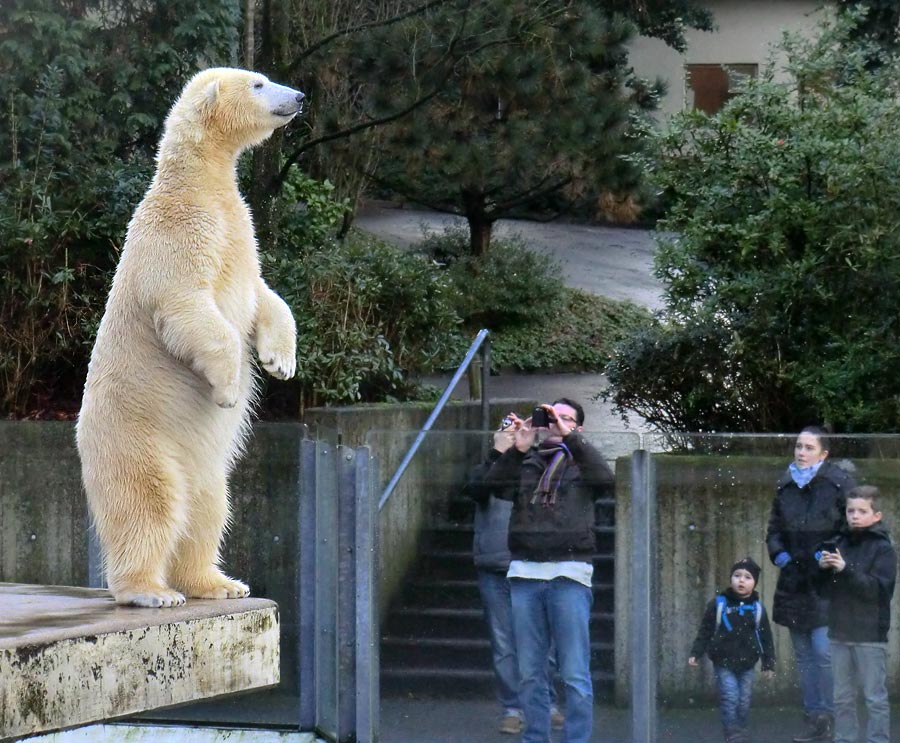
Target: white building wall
(746,29)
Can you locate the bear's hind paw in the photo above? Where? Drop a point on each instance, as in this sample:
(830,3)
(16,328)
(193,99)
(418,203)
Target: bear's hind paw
(225,589)
(226,396)
(153,598)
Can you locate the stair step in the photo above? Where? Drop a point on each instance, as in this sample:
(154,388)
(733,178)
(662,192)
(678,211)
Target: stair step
(469,623)
(460,653)
(428,682)
(462,593)
(446,564)
(460,541)
(435,640)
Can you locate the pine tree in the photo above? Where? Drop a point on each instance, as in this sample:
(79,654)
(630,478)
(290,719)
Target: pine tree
(535,111)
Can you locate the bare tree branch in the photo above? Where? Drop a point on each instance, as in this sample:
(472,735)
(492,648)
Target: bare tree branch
(362,126)
(309,51)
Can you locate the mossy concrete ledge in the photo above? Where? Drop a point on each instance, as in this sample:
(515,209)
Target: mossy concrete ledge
(70,656)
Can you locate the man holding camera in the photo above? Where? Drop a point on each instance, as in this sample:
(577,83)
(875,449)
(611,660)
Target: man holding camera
(552,475)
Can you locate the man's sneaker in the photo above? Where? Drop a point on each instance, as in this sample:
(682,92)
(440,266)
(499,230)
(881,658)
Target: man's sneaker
(512,722)
(819,727)
(737,735)
(557,718)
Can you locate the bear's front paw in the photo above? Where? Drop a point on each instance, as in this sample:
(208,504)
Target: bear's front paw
(280,366)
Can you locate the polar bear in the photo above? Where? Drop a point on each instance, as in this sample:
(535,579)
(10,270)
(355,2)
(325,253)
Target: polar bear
(171,378)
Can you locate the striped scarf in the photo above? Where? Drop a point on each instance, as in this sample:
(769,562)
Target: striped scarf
(559,457)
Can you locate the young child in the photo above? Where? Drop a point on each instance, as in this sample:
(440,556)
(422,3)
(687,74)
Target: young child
(859,569)
(735,633)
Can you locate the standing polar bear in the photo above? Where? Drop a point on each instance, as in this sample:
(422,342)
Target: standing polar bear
(171,380)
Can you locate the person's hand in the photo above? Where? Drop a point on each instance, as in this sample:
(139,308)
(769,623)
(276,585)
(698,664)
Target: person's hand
(833,560)
(525,436)
(506,437)
(768,675)
(693,662)
(563,426)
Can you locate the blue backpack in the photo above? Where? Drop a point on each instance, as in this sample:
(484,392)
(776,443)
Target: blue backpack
(722,616)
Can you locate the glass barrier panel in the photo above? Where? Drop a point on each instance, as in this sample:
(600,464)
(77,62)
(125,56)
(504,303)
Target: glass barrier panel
(438,671)
(261,548)
(721,499)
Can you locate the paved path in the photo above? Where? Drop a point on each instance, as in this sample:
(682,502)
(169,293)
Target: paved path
(475,721)
(611,261)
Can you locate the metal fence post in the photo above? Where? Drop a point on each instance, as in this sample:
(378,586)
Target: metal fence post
(644,711)
(485,378)
(345,628)
(368,700)
(306,586)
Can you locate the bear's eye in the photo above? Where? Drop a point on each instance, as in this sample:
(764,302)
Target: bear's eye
(257,85)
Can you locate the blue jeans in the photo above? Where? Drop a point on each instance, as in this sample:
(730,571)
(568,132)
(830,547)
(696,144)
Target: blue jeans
(494,589)
(813,653)
(735,693)
(860,666)
(557,611)
(497,605)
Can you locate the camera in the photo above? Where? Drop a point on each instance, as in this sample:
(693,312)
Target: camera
(540,418)
(505,423)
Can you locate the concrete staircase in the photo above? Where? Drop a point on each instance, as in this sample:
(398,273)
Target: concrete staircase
(435,641)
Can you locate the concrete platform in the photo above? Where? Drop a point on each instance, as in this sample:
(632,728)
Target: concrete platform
(70,656)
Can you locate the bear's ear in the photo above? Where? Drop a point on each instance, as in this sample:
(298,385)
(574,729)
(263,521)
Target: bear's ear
(209,96)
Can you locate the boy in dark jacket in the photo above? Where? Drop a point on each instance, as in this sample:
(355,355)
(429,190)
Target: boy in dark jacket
(735,634)
(858,574)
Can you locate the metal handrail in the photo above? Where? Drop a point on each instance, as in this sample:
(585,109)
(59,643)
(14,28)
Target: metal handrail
(482,341)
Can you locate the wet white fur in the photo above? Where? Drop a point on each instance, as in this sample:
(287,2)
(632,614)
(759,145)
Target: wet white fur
(171,382)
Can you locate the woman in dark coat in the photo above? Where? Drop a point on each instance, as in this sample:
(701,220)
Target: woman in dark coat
(808,509)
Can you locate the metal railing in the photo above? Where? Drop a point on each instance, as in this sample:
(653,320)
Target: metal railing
(481,344)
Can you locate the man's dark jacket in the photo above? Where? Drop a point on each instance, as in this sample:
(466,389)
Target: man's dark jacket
(739,648)
(860,595)
(565,529)
(800,520)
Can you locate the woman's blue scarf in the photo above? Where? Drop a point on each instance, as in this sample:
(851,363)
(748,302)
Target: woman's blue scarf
(802,475)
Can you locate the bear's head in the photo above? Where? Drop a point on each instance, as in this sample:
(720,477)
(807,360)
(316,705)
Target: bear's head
(232,107)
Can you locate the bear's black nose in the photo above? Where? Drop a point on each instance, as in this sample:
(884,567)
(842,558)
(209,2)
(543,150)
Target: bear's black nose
(300,97)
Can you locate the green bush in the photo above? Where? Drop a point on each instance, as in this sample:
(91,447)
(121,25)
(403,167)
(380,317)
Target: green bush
(536,322)
(311,211)
(367,313)
(782,280)
(500,288)
(576,332)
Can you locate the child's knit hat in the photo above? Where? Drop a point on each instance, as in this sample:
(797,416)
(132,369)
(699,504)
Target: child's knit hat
(747,563)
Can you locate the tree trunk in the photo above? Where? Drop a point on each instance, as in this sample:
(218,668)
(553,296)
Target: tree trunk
(249,34)
(480,223)
(272,60)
